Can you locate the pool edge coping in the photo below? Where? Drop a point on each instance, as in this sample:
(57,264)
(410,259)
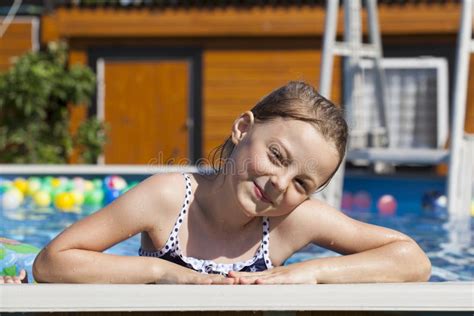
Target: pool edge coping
(435,296)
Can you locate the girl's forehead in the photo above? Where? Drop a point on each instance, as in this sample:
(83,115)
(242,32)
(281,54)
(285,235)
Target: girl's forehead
(289,128)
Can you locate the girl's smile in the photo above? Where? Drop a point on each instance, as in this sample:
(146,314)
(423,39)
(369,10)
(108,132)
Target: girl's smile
(261,194)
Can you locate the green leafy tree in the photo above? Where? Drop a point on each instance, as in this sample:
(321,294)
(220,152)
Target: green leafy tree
(34,115)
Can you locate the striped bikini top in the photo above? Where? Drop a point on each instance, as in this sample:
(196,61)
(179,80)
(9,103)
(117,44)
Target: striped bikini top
(171,251)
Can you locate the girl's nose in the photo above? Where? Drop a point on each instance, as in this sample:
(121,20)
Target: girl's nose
(280,182)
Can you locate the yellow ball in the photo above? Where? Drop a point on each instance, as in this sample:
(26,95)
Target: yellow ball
(64,201)
(78,197)
(55,182)
(42,198)
(21,184)
(472,208)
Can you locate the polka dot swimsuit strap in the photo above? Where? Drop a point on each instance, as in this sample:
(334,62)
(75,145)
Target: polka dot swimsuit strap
(172,242)
(265,246)
(185,207)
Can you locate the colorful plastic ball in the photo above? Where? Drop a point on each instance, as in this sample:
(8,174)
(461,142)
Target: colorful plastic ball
(42,198)
(79,183)
(115,183)
(88,186)
(69,186)
(46,186)
(64,201)
(78,197)
(111,195)
(362,200)
(55,183)
(472,208)
(12,199)
(21,184)
(387,204)
(64,181)
(34,184)
(347,200)
(441,202)
(5,185)
(94,197)
(97,183)
(47,179)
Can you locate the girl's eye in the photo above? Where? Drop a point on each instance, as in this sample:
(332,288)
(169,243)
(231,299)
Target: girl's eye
(301,184)
(275,155)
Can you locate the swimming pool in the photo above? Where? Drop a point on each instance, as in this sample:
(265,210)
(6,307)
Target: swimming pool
(449,249)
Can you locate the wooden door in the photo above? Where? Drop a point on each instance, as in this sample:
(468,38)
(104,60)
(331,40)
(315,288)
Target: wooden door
(146,108)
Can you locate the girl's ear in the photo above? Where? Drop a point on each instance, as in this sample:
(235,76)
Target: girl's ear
(241,126)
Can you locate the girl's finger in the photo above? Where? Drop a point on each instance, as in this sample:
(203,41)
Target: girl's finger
(22,274)
(8,280)
(247,280)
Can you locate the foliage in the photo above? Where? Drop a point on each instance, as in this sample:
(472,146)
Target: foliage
(34,116)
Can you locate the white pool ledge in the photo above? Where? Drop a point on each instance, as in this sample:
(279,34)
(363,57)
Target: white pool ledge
(445,296)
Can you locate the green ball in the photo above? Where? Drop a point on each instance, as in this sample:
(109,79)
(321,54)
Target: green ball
(47,179)
(94,197)
(4,187)
(69,186)
(46,186)
(97,183)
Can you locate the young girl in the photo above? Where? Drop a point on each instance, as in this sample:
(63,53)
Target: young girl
(239,225)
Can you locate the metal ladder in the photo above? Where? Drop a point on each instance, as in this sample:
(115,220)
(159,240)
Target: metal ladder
(353,49)
(461,152)
(461,163)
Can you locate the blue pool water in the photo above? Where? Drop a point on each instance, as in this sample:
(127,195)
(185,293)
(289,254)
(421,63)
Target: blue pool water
(450,250)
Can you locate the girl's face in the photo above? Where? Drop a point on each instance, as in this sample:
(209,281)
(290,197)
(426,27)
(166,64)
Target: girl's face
(277,164)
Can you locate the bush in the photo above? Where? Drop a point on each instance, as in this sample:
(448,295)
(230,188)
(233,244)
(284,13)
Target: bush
(34,116)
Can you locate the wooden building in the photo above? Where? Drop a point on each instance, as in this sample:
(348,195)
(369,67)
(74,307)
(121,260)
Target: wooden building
(173,75)
(20,37)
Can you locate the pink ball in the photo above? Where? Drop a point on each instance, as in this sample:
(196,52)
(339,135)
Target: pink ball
(362,200)
(347,200)
(387,205)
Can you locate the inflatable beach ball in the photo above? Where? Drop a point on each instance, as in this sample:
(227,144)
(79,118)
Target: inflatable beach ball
(115,183)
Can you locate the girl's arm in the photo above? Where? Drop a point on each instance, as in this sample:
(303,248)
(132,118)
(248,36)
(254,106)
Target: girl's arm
(75,256)
(370,253)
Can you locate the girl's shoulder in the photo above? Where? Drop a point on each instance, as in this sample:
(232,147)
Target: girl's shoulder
(166,189)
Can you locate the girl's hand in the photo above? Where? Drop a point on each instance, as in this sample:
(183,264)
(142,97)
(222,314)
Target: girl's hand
(21,278)
(176,274)
(297,273)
